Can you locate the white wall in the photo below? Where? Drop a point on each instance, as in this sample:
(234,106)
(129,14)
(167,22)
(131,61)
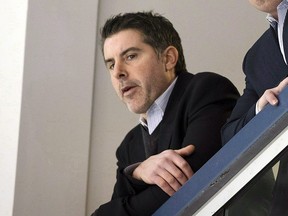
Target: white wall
(12,42)
(71,120)
(56,109)
(215,34)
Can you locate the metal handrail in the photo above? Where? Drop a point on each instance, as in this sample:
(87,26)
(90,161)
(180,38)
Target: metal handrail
(252,149)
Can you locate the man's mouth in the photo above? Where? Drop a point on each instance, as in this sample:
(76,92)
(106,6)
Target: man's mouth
(127,89)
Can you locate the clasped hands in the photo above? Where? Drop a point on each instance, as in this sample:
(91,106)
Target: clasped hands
(271,95)
(168,169)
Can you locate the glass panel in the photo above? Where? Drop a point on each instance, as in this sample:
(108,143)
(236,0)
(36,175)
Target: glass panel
(256,197)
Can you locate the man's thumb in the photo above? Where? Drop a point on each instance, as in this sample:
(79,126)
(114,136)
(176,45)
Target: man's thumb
(186,151)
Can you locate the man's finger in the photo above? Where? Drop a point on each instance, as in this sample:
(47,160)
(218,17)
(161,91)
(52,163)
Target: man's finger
(162,183)
(181,176)
(282,84)
(171,179)
(186,151)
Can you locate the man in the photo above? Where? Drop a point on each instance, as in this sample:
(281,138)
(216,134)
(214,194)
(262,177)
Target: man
(265,67)
(181,114)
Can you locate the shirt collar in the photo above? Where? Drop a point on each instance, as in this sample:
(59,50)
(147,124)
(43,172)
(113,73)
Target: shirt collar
(156,111)
(162,100)
(282,6)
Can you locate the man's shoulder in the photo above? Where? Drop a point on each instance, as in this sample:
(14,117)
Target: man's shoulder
(132,135)
(209,78)
(132,139)
(200,75)
(134,132)
(264,40)
(205,86)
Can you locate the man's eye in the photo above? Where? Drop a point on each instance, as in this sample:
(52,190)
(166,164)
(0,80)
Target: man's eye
(111,66)
(130,57)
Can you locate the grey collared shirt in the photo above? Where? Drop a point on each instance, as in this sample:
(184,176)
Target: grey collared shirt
(156,111)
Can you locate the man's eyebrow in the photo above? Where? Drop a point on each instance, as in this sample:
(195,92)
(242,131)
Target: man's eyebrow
(129,49)
(122,54)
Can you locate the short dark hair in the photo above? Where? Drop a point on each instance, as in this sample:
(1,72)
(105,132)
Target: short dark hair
(157,31)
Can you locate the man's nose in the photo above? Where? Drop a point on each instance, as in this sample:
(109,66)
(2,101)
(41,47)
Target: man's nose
(120,70)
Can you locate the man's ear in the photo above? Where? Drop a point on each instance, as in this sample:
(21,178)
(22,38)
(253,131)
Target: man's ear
(171,57)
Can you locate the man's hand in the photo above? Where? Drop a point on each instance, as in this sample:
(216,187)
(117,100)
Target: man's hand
(271,95)
(168,169)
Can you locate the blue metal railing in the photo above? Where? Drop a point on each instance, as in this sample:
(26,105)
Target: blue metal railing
(226,163)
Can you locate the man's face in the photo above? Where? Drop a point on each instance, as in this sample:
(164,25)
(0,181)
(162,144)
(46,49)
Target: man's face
(267,6)
(137,73)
